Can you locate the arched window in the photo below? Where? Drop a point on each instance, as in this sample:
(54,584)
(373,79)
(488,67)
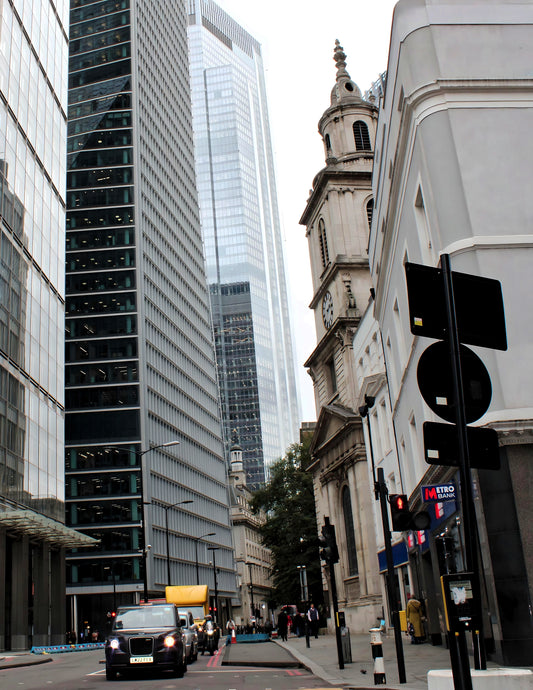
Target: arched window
(328,143)
(361,136)
(324,254)
(351,549)
(369,212)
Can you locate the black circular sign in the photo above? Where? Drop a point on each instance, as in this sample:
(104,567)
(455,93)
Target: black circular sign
(435,382)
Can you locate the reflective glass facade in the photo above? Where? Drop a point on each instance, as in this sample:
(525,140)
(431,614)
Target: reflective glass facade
(33,104)
(140,366)
(241,229)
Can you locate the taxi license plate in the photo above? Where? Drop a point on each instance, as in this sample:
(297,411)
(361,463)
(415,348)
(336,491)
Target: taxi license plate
(141,660)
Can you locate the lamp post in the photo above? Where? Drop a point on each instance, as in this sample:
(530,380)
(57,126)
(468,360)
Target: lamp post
(112,569)
(140,454)
(213,549)
(166,508)
(303,582)
(196,540)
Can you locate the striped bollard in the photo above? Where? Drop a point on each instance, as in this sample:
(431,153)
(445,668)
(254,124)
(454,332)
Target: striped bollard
(377,654)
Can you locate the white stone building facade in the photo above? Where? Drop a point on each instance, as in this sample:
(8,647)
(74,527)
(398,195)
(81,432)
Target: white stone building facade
(451,176)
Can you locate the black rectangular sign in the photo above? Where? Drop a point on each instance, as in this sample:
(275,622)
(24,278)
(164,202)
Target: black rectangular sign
(478,306)
(441,446)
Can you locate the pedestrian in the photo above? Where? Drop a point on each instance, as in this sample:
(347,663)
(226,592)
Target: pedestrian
(298,624)
(283,621)
(230,626)
(312,617)
(415,617)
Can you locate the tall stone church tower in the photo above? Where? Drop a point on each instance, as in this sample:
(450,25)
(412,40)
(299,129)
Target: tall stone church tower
(337,217)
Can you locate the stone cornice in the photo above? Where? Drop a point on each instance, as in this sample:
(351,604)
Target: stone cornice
(340,326)
(333,175)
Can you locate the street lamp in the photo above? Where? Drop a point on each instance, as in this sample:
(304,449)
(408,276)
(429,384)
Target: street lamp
(196,540)
(213,549)
(166,508)
(303,582)
(112,569)
(140,454)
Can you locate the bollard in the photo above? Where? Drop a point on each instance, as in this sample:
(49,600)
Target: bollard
(233,636)
(377,654)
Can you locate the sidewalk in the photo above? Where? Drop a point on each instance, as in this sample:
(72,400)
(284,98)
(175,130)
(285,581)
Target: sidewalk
(322,660)
(16,659)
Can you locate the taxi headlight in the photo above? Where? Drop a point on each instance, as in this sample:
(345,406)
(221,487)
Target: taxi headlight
(169,641)
(114,644)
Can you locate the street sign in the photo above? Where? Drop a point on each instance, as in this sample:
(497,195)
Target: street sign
(478,305)
(441,446)
(436,493)
(435,381)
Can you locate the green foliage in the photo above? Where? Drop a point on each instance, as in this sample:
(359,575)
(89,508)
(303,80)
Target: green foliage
(290,530)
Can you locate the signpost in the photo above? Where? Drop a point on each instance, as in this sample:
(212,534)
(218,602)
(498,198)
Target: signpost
(459,309)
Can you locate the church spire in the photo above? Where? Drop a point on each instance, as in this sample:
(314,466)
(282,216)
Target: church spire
(345,89)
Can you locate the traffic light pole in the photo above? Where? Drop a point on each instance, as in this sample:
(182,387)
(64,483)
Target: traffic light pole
(336,614)
(465,473)
(391,580)
(330,554)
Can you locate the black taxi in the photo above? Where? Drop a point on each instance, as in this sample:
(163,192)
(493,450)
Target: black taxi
(145,636)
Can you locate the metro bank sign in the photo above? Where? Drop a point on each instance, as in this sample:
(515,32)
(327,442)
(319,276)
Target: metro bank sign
(438,493)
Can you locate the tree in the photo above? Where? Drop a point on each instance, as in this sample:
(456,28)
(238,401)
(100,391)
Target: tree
(290,530)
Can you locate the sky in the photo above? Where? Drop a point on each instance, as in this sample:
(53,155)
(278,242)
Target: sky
(297,39)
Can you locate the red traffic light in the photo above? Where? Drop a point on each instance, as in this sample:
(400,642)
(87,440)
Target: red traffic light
(399,502)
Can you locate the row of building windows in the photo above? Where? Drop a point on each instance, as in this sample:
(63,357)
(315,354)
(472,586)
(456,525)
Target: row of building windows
(103,484)
(91,571)
(93,426)
(99,327)
(101,260)
(100,177)
(103,217)
(121,101)
(101,303)
(95,457)
(100,40)
(115,280)
(127,372)
(109,396)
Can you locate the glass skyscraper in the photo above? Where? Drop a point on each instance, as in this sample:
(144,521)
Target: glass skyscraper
(33,102)
(241,231)
(140,364)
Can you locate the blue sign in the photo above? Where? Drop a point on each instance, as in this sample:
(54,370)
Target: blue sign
(439,492)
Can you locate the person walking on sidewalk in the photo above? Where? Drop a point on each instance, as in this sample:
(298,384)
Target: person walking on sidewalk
(415,616)
(283,622)
(312,617)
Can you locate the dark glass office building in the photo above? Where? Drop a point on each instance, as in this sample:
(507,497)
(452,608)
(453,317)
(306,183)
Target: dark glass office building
(140,365)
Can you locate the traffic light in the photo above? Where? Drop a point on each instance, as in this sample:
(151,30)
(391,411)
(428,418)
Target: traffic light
(403,519)
(329,551)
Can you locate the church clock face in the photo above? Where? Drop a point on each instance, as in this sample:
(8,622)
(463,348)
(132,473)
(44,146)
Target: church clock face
(327,310)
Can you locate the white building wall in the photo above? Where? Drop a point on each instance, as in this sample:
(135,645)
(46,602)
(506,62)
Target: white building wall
(451,174)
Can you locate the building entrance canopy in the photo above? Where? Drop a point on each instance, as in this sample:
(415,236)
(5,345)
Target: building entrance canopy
(41,527)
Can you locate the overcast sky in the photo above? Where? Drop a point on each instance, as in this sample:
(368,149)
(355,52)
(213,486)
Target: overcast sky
(298,38)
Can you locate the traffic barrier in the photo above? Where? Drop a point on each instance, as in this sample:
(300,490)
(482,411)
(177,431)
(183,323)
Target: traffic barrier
(61,648)
(377,654)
